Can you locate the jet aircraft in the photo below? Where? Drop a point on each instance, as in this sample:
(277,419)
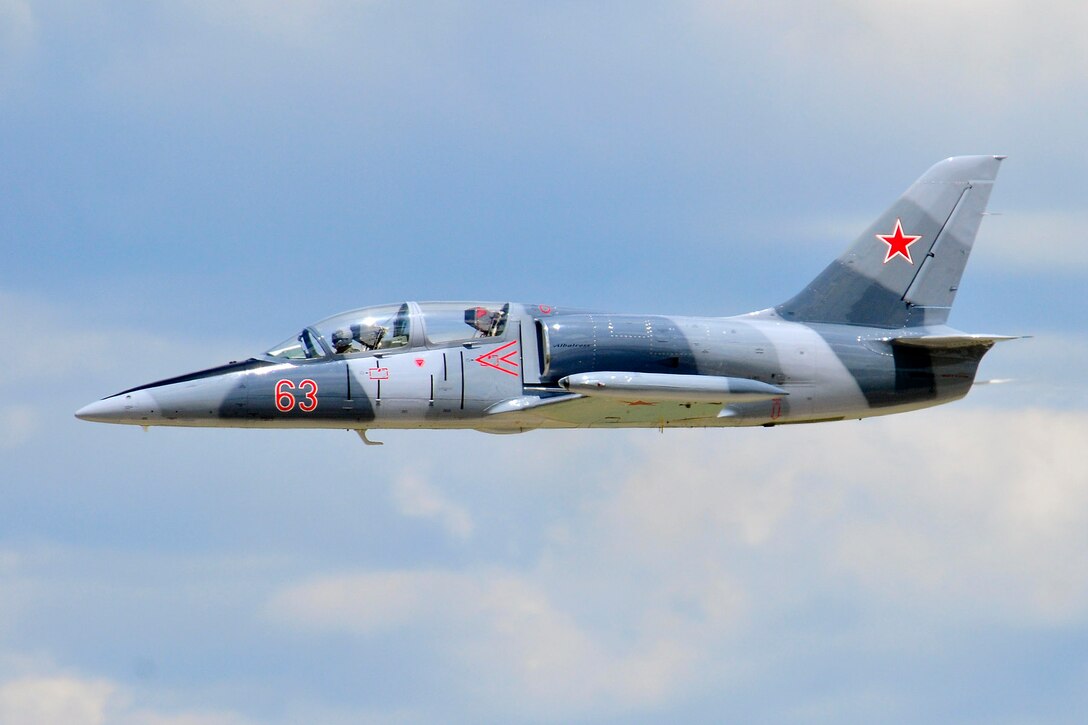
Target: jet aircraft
(868,336)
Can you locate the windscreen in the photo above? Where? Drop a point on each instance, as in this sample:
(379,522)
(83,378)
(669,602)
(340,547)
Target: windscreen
(359,331)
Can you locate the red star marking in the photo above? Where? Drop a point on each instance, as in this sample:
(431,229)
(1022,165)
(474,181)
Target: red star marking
(898,243)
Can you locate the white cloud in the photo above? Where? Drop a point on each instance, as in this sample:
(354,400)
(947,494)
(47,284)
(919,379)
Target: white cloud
(1000,51)
(496,622)
(414,496)
(55,701)
(977,511)
(949,516)
(69,700)
(1000,44)
(370,602)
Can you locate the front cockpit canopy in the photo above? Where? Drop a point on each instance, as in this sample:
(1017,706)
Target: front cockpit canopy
(389,327)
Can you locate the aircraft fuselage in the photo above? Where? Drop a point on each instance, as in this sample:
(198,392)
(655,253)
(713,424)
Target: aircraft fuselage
(514,380)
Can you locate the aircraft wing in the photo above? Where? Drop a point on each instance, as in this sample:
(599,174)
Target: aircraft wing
(582,410)
(617,398)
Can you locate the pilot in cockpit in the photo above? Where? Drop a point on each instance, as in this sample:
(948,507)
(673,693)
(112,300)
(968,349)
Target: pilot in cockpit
(342,342)
(359,338)
(486,323)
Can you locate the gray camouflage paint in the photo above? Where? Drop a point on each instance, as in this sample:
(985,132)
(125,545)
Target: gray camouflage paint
(835,349)
(945,206)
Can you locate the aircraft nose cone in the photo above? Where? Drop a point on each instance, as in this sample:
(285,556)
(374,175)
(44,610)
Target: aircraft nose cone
(100,411)
(135,407)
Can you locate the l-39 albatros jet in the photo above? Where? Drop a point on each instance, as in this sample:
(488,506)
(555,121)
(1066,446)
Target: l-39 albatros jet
(867,337)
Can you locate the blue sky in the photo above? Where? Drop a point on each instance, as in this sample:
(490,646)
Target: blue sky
(185,183)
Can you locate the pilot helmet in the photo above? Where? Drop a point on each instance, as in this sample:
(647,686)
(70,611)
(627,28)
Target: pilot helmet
(341,338)
(370,336)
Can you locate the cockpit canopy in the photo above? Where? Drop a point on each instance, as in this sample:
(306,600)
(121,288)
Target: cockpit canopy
(389,327)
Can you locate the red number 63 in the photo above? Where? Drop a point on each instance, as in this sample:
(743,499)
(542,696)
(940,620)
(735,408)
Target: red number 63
(285,399)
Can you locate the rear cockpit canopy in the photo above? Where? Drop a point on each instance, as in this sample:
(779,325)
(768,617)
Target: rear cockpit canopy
(391,327)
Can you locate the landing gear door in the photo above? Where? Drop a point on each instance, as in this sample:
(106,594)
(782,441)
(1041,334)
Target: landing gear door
(493,371)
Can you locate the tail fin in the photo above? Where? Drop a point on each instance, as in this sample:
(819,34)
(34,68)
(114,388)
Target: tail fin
(904,270)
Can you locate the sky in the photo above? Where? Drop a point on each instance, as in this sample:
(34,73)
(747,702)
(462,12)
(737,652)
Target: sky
(185,183)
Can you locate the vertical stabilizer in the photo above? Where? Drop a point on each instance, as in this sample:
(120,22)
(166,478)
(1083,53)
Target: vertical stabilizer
(904,270)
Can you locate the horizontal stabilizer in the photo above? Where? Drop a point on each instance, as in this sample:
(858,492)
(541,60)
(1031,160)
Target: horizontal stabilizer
(951,342)
(658,387)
